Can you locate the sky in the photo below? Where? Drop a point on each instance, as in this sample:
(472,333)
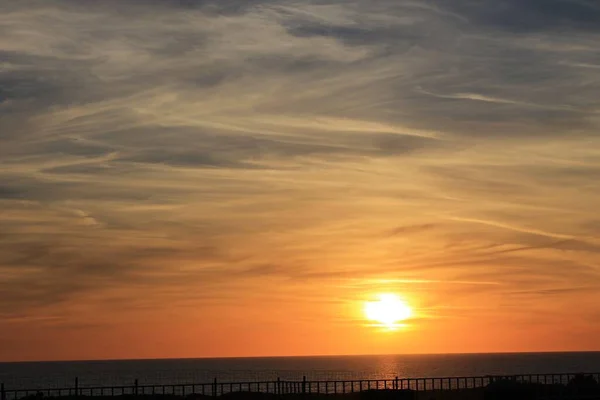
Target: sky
(196,178)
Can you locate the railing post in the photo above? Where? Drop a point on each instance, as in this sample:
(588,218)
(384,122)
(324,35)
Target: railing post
(2,392)
(136,387)
(76,387)
(396,383)
(304,384)
(214,388)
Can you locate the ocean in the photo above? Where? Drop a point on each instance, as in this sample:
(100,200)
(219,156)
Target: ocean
(39,375)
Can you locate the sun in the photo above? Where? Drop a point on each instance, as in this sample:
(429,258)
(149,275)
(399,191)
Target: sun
(388,311)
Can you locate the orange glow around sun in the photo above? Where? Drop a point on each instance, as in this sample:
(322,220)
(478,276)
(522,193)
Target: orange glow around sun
(388,311)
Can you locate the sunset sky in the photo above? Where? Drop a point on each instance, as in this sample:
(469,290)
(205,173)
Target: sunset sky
(197,178)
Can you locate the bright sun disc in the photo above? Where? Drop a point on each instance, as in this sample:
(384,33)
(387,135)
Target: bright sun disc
(388,311)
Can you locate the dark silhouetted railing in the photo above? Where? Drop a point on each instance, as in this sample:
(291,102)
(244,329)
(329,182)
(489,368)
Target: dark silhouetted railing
(544,386)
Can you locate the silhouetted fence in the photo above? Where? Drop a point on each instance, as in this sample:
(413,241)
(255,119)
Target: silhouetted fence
(540,386)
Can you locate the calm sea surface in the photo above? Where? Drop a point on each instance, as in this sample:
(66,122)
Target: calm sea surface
(105,373)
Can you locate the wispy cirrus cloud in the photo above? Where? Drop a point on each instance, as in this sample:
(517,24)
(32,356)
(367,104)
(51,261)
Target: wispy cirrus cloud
(150,150)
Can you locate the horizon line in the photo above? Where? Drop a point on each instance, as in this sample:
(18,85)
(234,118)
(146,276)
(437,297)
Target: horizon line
(299,356)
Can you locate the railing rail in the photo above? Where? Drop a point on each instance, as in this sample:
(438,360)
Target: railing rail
(539,386)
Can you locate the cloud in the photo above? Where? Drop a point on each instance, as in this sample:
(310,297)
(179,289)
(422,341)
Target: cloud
(537,15)
(152,150)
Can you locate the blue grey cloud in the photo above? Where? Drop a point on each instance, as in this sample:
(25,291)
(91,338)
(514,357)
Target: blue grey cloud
(169,145)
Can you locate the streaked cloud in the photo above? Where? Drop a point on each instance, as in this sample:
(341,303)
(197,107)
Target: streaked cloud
(160,155)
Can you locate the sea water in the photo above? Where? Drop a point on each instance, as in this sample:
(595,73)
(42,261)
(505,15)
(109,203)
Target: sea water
(34,375)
